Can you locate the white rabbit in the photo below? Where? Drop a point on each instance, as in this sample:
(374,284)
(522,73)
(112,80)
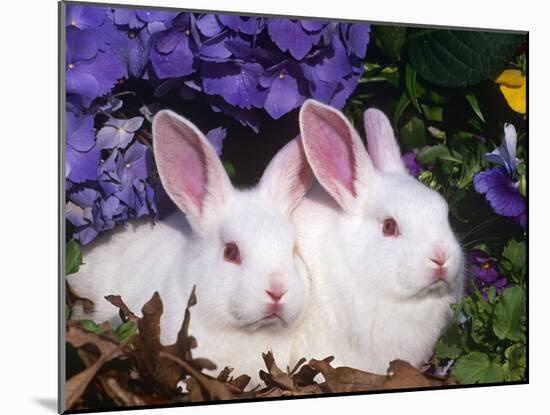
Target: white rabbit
(383,261)
(236,246)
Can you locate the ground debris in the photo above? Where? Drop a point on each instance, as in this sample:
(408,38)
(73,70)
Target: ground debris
(140,371)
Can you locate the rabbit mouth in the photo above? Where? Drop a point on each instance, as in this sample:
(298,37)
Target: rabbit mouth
(269,320)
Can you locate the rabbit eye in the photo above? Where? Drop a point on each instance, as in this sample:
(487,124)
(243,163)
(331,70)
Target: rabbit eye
(390,227)
(231,253)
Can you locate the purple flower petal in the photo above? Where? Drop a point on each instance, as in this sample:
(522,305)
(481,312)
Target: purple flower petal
(80,131)
(209,25)
(82,165)
(500,192)
(179,62)
(215,49)
(357,39)
(149,15)
(216,137)
(136,159)
(333,65)
(85,17)
(283,95)
(81,45)
(124,16)
(312,25)
(247,25)
(237,83)
(414,167)
(289,36)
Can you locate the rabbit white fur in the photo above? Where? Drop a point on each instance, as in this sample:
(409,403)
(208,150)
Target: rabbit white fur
(374,297)
(231,320)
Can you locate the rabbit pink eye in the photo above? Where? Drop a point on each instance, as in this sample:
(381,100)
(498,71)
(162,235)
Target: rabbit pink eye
(231,253)
(390,227)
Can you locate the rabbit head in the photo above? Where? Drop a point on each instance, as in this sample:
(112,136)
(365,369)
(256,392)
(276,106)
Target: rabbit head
(242,255)
(394,231)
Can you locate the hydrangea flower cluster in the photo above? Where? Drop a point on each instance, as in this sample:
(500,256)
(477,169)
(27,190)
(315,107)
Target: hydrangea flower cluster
(242,66)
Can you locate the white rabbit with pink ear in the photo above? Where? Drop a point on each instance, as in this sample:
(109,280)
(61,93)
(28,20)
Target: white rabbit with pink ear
(236,246)
(384,263)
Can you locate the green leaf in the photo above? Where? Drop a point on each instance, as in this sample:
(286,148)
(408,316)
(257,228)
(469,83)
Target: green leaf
(458,58)
(477,367)
(91,326)
(410,86)
(126,330)
(429,155)
(230,169)
(472,100)
(391,40)
(516,361)
(413,134)
(432,112)
(510,314)
(516,253)
(73,257)
(400,108)
(449,345)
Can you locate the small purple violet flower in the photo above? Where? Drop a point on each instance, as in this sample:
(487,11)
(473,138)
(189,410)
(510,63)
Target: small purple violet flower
(484,273)
(409,159)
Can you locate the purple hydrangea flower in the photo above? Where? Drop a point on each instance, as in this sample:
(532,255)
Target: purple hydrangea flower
(235,81)
(243,24)
(85,17)
(291,35)
(356,37)
(216,137)
(81,151)
(173,50)
(498,184)
(286,88)
(90,71)
(118,133)
(138,26)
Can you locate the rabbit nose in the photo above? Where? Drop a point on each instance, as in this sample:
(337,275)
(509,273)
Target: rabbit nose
(440,261)
(440,256)
(275,294)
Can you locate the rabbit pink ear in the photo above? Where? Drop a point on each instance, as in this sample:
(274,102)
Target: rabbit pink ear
(335,152)
(189,167)
(381,142)
(288,177)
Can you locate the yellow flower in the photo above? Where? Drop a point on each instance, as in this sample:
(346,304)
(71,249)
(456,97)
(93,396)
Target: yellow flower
(513,86)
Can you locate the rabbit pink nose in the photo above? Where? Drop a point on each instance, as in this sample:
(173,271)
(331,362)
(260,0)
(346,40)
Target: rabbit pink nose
(275,294)
(440,261)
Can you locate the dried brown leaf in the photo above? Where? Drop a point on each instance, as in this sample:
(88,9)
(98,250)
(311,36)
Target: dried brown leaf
(346,379)
(305,375)
(78,337)
(124,312)
(241,382)
(275,376)
(402,375)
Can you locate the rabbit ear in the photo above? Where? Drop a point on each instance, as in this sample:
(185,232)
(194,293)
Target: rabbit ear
(189,167)
(336,154)
(288,176)
(381,142)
